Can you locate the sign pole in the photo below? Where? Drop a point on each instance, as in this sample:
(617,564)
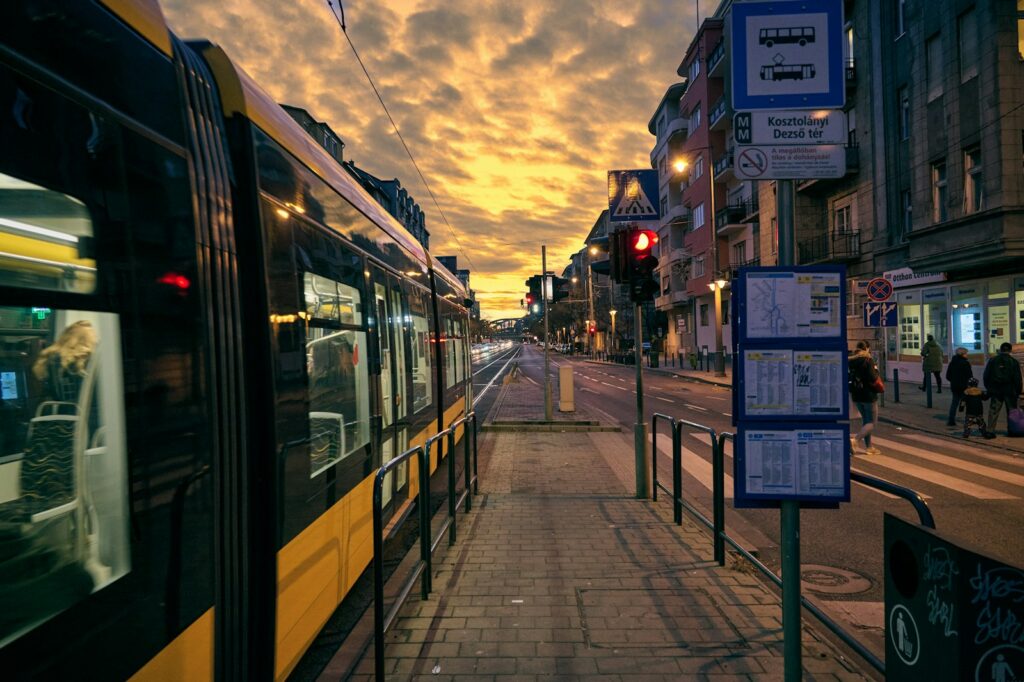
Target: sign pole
(792,664)
(547,341)
(640,427)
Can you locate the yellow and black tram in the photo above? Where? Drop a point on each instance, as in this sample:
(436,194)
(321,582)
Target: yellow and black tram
(210,338)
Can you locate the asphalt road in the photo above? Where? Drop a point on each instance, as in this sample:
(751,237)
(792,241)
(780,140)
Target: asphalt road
(974,492)
(489,365)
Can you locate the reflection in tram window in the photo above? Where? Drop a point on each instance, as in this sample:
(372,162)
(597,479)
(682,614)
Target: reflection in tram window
(63,473)
(336,362)
(421,354)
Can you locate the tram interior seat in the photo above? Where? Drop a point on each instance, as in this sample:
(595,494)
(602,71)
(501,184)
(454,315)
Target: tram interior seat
(327,435)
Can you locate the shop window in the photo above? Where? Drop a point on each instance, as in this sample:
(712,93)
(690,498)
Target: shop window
(63,461)
(910,323)
(1018,295)
(338,376)
(936,316)
(967,318)
(940,193)
(997,309)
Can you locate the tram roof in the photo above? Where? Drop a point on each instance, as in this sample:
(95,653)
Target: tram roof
(146,17)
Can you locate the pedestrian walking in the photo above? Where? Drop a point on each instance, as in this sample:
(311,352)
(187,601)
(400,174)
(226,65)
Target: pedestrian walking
(958,374)
(1003,385)
(865,385)
(931,362)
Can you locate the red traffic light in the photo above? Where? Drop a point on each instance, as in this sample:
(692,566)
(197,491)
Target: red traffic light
(643,240)
(593,329)
(529,299)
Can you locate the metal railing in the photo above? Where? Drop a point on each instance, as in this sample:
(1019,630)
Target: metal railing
(837,246)
(716,56)
(717,524)
(428,542)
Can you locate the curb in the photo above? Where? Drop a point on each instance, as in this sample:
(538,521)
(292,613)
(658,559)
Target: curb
(1017,452)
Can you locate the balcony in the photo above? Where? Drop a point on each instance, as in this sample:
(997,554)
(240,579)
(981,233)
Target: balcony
(836,247)
(852,166)
(676,127)
(724,164)
(734,266)
(751,208)
(678,215)
(717,119)
(716,59)
(729,220)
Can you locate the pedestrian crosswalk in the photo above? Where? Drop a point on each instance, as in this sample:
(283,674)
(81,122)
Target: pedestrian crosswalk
(906,463)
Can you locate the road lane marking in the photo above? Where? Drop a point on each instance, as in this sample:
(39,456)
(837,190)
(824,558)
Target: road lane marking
(696,407)
(964,447)
(943,480)
(953,462)
(531,381)
(664,399)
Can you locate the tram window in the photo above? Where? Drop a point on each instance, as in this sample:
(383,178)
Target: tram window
(336,363)
(46,229)
(422,381)
(449,353)
(63,466)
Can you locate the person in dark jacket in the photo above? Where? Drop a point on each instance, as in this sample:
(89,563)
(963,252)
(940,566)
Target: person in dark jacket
(1003,385)
(958,374)
(931,362)
(863,375)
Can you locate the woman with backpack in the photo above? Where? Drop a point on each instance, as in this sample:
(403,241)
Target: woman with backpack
(865,383)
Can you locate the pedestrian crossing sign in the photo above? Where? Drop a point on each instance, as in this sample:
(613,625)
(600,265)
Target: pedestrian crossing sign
(632,195)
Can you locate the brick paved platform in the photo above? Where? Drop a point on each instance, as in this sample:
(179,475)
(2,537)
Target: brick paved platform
(559,573)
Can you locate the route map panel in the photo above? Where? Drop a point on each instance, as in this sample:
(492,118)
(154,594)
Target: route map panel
(790,304)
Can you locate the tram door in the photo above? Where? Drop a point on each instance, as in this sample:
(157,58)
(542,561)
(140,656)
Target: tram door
(390,308)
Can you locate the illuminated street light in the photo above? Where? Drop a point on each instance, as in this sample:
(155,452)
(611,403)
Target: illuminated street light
(680,165)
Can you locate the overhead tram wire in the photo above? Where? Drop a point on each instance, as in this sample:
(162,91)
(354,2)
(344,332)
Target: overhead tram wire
(339,16)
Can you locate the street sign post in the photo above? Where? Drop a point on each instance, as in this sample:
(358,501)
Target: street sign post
(880,314)
(791,162)
(787,55)
(879,289)
(632,195)
(790,127)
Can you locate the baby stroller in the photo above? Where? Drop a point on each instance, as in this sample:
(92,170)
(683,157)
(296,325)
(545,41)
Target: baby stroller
(973,406)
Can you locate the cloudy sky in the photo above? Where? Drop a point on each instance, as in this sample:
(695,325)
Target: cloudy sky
(514,109)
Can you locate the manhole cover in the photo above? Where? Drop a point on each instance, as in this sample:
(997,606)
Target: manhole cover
(832,580)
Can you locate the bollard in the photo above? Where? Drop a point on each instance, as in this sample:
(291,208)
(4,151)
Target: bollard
(896,384)
(566,397)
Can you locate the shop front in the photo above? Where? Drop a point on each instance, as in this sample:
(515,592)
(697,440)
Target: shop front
(978,315)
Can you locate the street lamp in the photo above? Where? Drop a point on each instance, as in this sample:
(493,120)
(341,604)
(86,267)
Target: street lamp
(716,285)
(716,288)
(612,312)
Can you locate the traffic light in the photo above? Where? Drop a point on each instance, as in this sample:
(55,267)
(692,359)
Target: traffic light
(641,264)
(559,289)
(592,329)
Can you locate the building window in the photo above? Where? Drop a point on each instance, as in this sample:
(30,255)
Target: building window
(724,312)
(974,191)
(775,235)
(698,267)
(694,70)
(900,17)
(1020,29)
(703,314)
(907,213)
(695,119)
(904,103)
(968,46)
(940,192)
(933,66)
(698,167)
(664,205)
(661,126)
(842,220)
(698,216)
(848,45)
(739,253)
(851,127)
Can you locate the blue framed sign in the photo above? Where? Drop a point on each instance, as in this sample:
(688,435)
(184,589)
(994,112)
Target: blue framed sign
(806,384)
(793,306)
(787,55)
(633,195)
(778,461)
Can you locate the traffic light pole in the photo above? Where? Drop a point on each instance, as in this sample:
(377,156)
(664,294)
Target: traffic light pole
(640,427)
(547,341)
